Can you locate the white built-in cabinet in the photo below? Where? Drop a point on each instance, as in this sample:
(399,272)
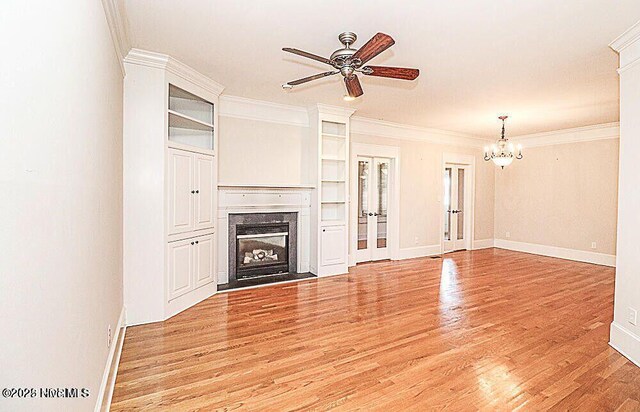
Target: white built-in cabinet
(330,202)
(190,264)
(191,191)
(170,186)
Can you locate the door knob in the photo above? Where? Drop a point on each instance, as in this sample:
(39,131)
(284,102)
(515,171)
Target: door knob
(370,214)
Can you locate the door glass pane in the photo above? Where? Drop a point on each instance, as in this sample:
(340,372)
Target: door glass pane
(447,203)
(460,214)
(363,202)
(383,203)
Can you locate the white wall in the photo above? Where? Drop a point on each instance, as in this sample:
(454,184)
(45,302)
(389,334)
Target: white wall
(61,208)
(561,195)
(625,336)
(259,152)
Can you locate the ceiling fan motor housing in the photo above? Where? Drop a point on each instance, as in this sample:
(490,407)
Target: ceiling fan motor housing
(341,55)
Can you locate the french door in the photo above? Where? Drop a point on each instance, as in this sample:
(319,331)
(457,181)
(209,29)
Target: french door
(373,206)
(455,231)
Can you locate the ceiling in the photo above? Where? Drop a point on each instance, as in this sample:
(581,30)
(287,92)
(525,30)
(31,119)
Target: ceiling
(545,63)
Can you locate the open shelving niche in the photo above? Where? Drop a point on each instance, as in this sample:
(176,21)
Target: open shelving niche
(191,120)
(333,202)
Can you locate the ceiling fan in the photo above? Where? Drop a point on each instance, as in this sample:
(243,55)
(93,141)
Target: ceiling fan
(348,62)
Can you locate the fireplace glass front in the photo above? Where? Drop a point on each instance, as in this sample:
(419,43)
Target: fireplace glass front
(262,249)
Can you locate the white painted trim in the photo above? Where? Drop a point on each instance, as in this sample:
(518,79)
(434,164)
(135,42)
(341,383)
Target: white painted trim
(418,251)
(629,65)
(380,128)
(107,385)
(625,342)
(558,252)
(339,111)
(574,135)
(249,109)
(627,38)
(168,63)
(482,244)
(470,162)
(372,150)
(118,28)
(276,186)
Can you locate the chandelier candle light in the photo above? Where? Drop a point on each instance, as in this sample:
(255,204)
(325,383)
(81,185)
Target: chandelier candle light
(502,152)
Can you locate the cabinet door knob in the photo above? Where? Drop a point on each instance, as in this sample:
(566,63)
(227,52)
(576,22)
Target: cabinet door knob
(196,242)
(197,191)
(192,243)
(193,191)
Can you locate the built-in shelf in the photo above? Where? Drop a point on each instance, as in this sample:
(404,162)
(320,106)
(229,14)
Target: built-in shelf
(333,181)
(182,121)
(266,186)
(333,136)
(333,202)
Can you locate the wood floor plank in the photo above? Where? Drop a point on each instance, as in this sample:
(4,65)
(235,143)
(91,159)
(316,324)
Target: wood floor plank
(483,330)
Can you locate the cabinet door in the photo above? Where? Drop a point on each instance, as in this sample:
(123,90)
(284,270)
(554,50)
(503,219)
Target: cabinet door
(180,270)
(203,180)
(181,185)
(203,260)
(333,245)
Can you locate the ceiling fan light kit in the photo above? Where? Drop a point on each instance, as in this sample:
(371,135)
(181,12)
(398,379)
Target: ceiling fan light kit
(503,152)
(348,62)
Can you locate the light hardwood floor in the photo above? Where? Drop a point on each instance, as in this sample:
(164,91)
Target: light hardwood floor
(483,330)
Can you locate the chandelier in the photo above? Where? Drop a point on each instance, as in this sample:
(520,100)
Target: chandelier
(502,152)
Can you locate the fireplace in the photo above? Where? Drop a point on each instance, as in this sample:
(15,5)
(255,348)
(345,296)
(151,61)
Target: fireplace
(262,244)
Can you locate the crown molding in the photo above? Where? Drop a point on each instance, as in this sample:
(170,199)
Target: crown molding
(627,38)
(259,110)
(602,131)
(118,28)
(381,128)
(332,110)
(168,63)
(249,109)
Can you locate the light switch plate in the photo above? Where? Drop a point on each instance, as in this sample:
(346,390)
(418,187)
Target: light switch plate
(632,316)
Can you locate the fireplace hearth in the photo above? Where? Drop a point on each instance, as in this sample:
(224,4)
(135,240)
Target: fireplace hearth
(262,244)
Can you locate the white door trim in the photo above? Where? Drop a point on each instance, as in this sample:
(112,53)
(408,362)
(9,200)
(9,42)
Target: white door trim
(470,189)
(393,229)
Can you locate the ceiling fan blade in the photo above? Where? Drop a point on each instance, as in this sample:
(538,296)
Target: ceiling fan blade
(314,77)
(393,72)
(353,86)
(308,55)
(376,45)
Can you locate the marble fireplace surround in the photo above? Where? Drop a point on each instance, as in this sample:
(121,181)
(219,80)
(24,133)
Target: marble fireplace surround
(234,199)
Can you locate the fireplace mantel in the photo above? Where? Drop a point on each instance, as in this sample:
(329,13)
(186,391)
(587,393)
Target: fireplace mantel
(243,198)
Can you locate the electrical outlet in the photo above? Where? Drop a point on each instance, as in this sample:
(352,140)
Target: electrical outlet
(109,336)
(507,235)
(632,316)
(593,245)
(415,240)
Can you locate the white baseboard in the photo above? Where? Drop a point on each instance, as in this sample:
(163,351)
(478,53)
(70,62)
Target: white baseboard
(558,252)
(625,342)
(482,244)
(419,251)
(111,368)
